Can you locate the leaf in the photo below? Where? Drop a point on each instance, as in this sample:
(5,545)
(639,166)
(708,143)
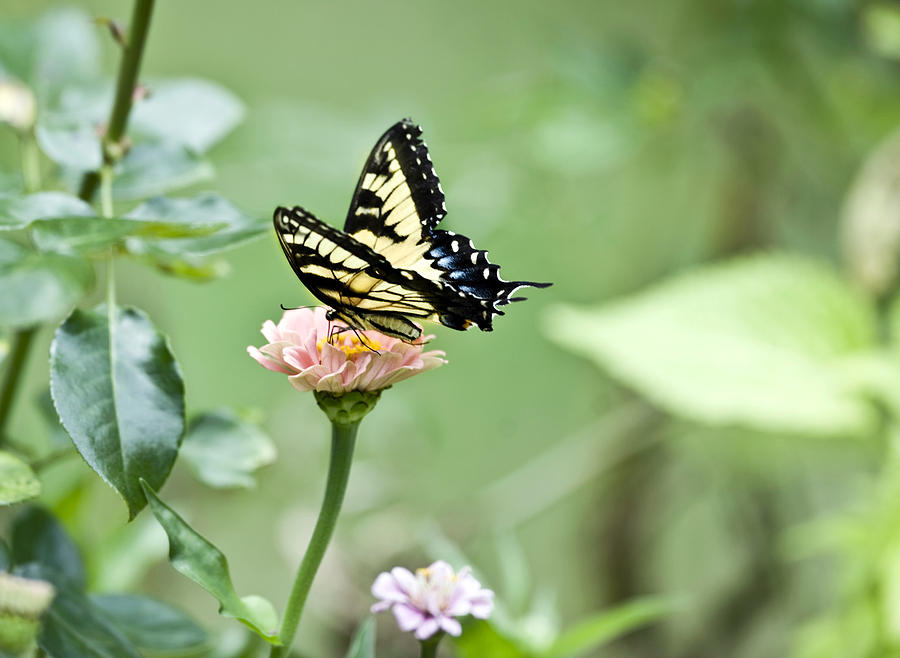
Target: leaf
(223,450)
(205,564)
(119,394)
(69,143)
(482,639)
(190,111)
(97,235)
(236,226)
(606,626)
(39,287)
(17,481)
(151,624)
(363,644)
(17,212)
(761,342)
(67,50)
(37,536)
(5,559)
(74,627)
(156,168)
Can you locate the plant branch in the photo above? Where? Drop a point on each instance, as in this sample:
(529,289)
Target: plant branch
(18,354)
(343,439)
(127,80)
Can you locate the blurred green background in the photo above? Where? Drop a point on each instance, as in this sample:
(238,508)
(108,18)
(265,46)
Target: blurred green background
(603,146)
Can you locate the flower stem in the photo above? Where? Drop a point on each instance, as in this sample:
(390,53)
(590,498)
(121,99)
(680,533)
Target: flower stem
(18,353)
(429,646)
(128,73)
(31,163)
(343,440)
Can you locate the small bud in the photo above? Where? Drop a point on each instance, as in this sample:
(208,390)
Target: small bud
(115,29)
(17,106)
(22,602)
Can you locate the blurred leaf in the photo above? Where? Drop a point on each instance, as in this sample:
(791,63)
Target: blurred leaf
(223,450)
(151,624)
(205,564)
(97,235)
(122,561)
(481,639)
(5,560)
(157,168)
(17,481)
(69,143)
(606,626)
(37,536)
(74,627)
(881,28)
(119,394)
(363,644)
(58,438)
(17,212)
(190,111)
(39,287)
(67,49)
(760,341)
(209,208)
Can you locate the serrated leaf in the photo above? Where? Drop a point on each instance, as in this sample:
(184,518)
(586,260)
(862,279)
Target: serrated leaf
(191,111)
(17,212)
(120,396)
(604,627)
(38,537)
(74,627)
(151,624)
(97,235)
(223,450)
(156,168)
(17,481)
(38,287)
(762,342)
(363,644)
(197,559)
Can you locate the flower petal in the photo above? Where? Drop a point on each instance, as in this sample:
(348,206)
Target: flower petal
(386,587)
(426,629)
(408,617)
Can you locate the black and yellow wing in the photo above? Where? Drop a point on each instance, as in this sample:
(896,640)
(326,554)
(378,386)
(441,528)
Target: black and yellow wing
(390,262)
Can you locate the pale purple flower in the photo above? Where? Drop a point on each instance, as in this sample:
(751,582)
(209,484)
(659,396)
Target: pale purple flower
(299,347)
(430,600)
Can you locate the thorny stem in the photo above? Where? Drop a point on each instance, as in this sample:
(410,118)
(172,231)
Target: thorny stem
(343,439)
(127,80)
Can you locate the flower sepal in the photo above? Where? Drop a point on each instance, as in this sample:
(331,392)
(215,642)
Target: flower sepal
(347,408)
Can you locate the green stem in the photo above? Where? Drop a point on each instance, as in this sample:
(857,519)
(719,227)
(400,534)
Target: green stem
(106,199)
(429,647)
(31,163)
(18,353)
(127,80)
(343,439)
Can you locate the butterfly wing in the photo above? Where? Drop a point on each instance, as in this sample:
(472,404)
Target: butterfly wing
(397,205)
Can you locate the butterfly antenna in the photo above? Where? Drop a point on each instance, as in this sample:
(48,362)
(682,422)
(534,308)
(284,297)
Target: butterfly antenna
(295,308)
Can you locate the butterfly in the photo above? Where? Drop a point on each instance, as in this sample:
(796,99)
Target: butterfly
(391,263)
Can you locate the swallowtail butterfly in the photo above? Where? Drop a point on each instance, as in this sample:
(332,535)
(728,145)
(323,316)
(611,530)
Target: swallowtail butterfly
(391,263)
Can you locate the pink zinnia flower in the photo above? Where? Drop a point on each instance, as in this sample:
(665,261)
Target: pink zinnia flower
(430,600)
(298,347)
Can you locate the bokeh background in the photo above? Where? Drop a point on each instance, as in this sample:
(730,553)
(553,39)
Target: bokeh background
(606,147)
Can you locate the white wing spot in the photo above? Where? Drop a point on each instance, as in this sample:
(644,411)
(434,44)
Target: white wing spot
(454,246)
(474,257)
(487,273)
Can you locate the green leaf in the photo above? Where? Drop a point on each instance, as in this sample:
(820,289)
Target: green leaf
(762,341)
(119,394)
(223,450)
(97,235)
(67,50)
(151,624)
(157,168)
(39,287)
(190,111)
(17,212)
(205,564)
(482,639)
(363,644)
(604,627)
(17,481)
(37,536)
(5,559)
(74,627)
(69,143)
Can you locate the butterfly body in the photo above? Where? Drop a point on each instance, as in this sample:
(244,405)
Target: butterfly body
(390,263)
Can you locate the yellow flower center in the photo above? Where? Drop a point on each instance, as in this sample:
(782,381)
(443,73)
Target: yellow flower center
(351,344)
